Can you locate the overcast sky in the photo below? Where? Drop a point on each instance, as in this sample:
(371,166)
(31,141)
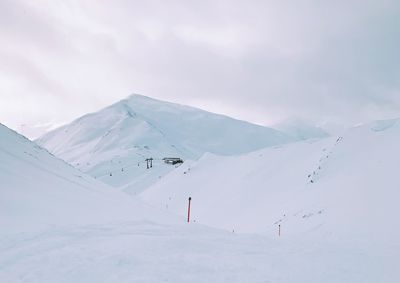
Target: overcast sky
(262,61)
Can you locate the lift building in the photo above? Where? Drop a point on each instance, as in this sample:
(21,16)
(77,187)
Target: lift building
(172,160)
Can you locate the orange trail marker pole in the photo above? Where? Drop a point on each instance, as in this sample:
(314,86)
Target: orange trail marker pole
(188,218)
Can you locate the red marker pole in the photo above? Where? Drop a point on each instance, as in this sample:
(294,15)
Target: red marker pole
(188,218)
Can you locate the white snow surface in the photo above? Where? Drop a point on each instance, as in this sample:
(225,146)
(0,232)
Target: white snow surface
(39,191)
(62,226)
(340,191)
(300,130)
(59,225)
(113,143)
(340,187)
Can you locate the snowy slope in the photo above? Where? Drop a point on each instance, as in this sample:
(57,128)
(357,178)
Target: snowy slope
(335,189)
(60,226)
(38,190)
(137,252)
(300,130)
(116,140)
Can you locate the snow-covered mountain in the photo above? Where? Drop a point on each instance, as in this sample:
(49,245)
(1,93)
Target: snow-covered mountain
(343,189)
(38,190)
(34,131)
(300,130)
(59,225)
(112,144)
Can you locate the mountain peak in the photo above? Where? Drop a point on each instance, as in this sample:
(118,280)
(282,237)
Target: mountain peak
(136,96)
(132,103)
(139,98)
(138,127)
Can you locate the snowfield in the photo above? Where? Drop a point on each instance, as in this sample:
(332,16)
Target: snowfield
(336,188)
(40,191)
(113,143)
(335,200)
(336,193)
(146,252)
(62,226)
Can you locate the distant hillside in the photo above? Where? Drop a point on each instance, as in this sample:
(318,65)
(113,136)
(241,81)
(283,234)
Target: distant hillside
(339,188)
(300,130)
(113,143)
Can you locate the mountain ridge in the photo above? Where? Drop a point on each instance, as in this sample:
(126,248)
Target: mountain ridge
(138,127)
(39,190)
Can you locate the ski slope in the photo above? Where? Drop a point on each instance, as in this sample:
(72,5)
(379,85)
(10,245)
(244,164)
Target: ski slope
(39,190)
(339,187)
(340,191)
(113,143)
(140,252)
(60,225)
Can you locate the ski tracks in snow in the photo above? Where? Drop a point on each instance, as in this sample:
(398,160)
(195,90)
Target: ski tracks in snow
(315,174)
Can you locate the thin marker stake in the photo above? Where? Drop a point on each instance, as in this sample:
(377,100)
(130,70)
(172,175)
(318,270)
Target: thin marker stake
(188,218)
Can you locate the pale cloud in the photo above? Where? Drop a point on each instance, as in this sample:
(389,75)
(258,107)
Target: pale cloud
(263,61)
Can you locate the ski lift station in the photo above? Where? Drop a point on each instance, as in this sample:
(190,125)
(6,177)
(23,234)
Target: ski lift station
(172,160)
